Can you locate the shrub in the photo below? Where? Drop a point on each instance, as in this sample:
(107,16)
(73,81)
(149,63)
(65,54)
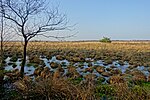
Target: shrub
(53,89)
(105,40)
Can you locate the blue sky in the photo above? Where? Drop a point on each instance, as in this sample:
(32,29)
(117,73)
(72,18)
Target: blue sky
(117,19)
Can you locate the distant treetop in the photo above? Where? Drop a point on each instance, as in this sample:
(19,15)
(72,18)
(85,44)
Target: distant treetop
(105,40)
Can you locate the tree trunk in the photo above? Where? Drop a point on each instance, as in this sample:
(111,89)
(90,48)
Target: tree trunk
(1,49)
(2,30)
(24,58)
(2,54)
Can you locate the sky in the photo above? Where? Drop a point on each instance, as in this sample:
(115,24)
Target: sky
(117,19)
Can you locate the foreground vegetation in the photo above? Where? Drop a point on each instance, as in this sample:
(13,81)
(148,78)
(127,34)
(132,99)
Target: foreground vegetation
(45,84)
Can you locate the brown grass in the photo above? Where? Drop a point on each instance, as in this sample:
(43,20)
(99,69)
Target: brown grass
(53,89)
(137,53)
(137,46)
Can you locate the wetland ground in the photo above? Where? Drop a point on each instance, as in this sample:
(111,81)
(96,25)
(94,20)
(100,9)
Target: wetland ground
(94,70)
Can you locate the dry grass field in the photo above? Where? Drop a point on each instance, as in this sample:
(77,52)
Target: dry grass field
(114,46)
(135,52)
(124,46)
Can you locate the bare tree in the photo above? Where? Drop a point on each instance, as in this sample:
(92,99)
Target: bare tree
(5,35)
(32,18)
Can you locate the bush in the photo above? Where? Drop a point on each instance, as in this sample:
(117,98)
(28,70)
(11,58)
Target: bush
(105,40)
(53,89)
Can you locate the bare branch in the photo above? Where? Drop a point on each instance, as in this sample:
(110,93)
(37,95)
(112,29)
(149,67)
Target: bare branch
(12,19)
(57,37)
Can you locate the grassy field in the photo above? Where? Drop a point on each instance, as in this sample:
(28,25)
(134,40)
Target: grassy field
(96,71)
(134,52)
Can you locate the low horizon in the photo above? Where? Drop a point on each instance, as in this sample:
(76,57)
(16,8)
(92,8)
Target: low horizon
(80,40)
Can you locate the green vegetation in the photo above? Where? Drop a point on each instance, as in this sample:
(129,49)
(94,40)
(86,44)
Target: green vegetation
(105,91)
(75,81)
(105,40)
